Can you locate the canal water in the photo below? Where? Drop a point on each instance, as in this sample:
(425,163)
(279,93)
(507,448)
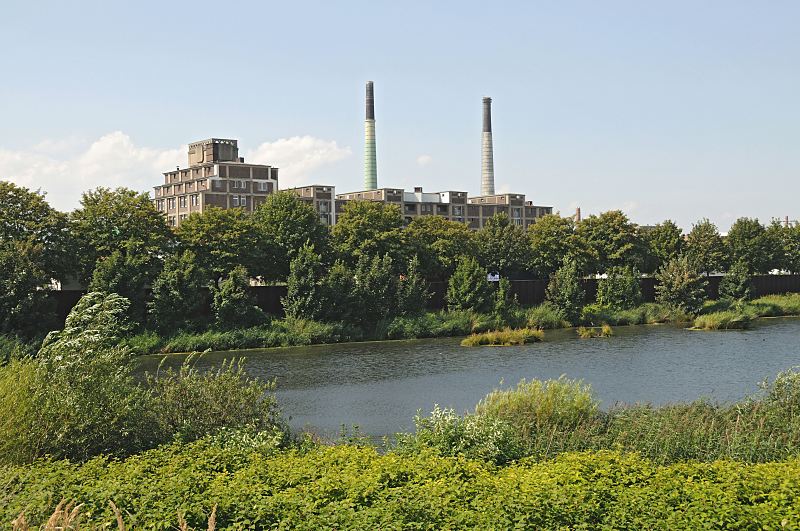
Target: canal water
(380,386)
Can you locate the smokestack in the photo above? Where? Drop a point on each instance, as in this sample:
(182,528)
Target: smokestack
(370,162)
(487,150)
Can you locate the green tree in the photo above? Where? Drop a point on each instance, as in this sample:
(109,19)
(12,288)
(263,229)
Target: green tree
(286,223)
(680,286)
(749,243)
(25,308)
(127,272)
(439,244)
(224,239)
(705,249)
(303,293)
(179,293)
(233,306)
(412,290)
(552,238)
(505,302)
(374,290)
(503,246)
(663,243)
(27,218)
(111,220)
(338,301)
(468,288)
(368,228)
(790,238)
(565,292)
(620,290)
(610,240)
(735,285)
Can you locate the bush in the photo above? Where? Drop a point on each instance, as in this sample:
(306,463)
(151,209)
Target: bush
(506,307)
(233,306)
(680,287)
(412,291)
(564,291)
(303,297)
(468,288)
(620,290)
(13,348)
(347,487)
(735,285)
(473,436)
(594,331)
(507,337)
(189,404)
(727,320)
(178,293)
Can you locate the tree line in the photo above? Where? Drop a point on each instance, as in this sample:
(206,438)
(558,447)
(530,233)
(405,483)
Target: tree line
(369,266)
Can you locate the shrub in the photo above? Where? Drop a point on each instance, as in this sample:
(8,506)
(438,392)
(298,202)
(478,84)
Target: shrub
(546,316)
(506,307)
(507,337)
(189,404)
(374,291)
(679,286)
(620,290)
(473,436)
(467,288)
(303,297)
(727,320)
(178,293)
(594,331)
(412,290)
(233,306)
(735,285)
(564,291)
(13,348)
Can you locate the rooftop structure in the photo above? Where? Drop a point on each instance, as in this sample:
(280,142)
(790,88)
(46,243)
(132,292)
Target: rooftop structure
(370,159)
(216,177)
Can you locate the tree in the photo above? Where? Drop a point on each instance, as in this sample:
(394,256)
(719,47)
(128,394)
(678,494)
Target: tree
(412,290)
(110,220)
(26,218)
(791,248)
(223,240)
(286,223)
(503,246)
(25,309)
(552,238)
(735,285)
(178,293)
(468,288)
(778,239)
(439,244)
(368,228)
(749,243)
(680,286)
(705,249)
(565,292)
(620,290)
(610,240)
(374,290)
(303,298)
(663,243)
(505,302)
(233,306)
(338,301)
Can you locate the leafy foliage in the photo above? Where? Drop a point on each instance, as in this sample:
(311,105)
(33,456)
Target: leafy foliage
(620,290)
(468,288)
(303,300)
(368,228)
(232,304)
(564,291)
(439,244)
(749,242)
(664,242)
(679,286)
(412,290)
(705,249)
(179,293)
(503,246)
(611,240)
(736,283)
(551,238)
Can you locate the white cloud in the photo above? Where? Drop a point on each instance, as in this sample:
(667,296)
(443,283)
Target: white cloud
(424,160)
(64,168)
(298,158)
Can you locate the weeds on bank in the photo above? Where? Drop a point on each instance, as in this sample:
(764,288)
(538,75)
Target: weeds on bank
(507,337)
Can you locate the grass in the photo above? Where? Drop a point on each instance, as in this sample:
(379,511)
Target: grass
(585,332)
(507,337)
(724,320)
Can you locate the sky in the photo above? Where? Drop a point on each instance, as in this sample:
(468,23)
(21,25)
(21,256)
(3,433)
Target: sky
(667,110)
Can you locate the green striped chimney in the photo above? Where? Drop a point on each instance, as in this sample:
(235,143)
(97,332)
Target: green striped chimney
(370,162)
(487,150)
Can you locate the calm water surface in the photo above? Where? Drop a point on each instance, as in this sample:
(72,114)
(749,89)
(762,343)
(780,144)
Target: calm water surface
(380,386)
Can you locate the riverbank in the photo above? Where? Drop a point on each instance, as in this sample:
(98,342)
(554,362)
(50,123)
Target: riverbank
(300,332)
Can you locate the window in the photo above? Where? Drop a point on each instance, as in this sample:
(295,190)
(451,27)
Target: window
(171,220)
(235,200)
(195,199)
(171,203)
(243,201)
(182,201)
(182,217)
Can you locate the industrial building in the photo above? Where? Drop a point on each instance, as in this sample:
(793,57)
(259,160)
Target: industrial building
(216,177)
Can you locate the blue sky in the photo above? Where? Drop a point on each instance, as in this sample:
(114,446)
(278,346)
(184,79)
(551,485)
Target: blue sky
(675,109)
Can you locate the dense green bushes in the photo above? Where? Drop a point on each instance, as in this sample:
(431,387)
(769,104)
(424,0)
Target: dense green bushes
(348,487)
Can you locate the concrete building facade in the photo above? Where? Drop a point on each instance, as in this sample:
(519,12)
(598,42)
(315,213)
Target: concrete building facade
(216,177)
(322,198)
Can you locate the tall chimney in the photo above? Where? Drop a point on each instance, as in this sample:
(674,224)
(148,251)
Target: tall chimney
(370,162)
(487,151)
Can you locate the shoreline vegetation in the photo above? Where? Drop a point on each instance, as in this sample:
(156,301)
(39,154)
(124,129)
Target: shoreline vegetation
(714,315)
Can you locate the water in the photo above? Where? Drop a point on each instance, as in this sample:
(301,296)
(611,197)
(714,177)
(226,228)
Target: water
(380,386)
